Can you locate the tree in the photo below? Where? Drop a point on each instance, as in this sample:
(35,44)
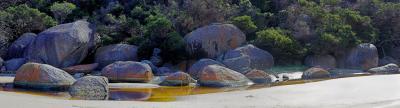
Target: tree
(280,44)
(21,19)
(62,10)
(245,23)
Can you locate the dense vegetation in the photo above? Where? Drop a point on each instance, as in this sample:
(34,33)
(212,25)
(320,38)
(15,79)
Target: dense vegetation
(289,29)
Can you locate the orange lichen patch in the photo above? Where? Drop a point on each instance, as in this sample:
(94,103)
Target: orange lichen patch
(257,74)
(28,73)
(86,68)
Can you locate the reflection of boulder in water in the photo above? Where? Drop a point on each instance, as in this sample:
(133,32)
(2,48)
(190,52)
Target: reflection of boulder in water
(170,93)
(141,94)
(131,91)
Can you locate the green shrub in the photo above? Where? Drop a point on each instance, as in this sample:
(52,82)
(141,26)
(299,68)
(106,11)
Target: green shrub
(280,44)
(21,19)
(245,24)
(62,10)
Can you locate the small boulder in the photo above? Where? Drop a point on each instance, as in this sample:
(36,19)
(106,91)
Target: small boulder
(197,67)
(62,45)
(18,47)
(315,73)
(178,79)
(213,40)
(389,68)
(90,88)
(259,76)
(218,76)
(258,58)
(129,71)
(117,52)
(363,57)
(14,64)
(42,76)
(323,61)
(85,68)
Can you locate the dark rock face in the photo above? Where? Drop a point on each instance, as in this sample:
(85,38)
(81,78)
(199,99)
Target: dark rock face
(14,64)
(163,71)
(197,67)
(323,61)
(153,67)
(86,68)
(387,60)
(394,52)
(63,45)
(128,71)
(117,52)
(364,57)
(246,58)
(90,88)
(387,69)
(18,47)
(213,40)
(259,77)
(218,76)
(178,79)
(42,76)
(315,73)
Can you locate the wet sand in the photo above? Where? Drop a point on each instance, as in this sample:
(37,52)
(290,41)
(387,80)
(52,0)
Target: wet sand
(355,92)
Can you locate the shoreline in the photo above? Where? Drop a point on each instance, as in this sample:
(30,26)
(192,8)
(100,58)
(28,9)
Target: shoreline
(357,92)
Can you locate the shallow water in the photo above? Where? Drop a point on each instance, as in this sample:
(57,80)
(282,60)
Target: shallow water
(159,94)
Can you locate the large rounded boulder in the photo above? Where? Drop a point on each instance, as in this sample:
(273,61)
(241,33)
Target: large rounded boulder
(213,40)
(128,71)
(259,76)
(42,76)
(387,69)
(364,57)
(18,47)
(246,58)
(178,79)
(90,88)
(315,73)
(63,45)
(324,61)
(218,76)
(117,52)
(197,67)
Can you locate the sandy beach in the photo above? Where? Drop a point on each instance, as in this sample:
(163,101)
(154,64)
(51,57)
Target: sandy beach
(380,91)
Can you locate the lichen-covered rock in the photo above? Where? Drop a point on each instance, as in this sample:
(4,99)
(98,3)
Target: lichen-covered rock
(213,40)
(218,76)
(178,79)
(258,58)
(117,52)
(129,71)
(324,61)
(18,47)
(259,77)
(14,64)
(42,76)
(85,68)
(315,73)
(63,45)
(197,67)
(90,88)
(364,57)
(389,68)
